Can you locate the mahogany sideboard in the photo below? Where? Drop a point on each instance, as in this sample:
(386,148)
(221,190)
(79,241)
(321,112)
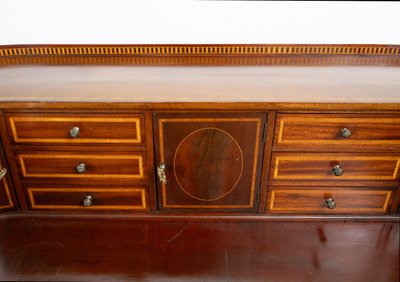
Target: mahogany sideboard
(265,131)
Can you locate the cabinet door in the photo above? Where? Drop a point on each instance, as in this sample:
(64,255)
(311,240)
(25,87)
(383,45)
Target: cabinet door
(209,161)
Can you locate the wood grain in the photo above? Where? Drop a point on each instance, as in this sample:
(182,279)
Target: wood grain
(212,160)
(322,132)
(313,200)
(66,249)
(70,198)
(319,166)
(54,129)
(344,84)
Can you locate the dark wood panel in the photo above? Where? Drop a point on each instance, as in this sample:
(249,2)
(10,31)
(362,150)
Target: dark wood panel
(323,132)
(319,166)
(343,200)
(7,197)
(54,129)
(98,166)
(212,160)
(65,249)
(67,198)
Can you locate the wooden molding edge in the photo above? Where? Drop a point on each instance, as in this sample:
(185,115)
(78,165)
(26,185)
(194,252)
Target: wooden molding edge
(209,217)
(225,54)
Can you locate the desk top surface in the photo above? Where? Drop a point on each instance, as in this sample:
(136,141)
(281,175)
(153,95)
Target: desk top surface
(308,84)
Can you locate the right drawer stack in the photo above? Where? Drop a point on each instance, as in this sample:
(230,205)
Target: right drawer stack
(334,163)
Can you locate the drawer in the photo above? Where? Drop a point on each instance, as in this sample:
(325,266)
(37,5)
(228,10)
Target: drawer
(334,167)
(6,201)
(121,129)
(87,198)
(328,200)
(80,166)
(343,131)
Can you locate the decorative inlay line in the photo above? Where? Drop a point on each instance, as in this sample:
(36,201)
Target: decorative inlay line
(307,192)
(31,192)
(140,175)
(143,50)
(238,178)
(162,158)
(14,131)
(7,190)
(201,54)
(280,159)
(334,122)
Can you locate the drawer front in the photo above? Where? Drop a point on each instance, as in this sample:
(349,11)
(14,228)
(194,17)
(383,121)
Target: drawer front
(71,129)
(6,201)
(80,166)
(329,200)
(330,131)
(334,167)
(87,198)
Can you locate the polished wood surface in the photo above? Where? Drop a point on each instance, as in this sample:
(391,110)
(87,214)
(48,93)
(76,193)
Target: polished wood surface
(359,200)
(322,132)
(319,166)
(60,249)
(98,165)
(332,84)
(54,129)
(71,198)
(7,196)
(212,160)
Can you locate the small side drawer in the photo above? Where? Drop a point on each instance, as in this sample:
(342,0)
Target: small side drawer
(87,198)
(69,129)
(80,166)
(341,131)
(328,200)
(6,201)
(334,167)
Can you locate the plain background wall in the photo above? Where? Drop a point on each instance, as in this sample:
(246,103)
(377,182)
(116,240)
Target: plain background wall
(128,21)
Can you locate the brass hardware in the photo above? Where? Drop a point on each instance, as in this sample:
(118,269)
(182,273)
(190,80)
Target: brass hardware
(345,133)
(81,168)
(74,132)
(87,201)
(161,173)
(330,203)
(3,172)
(337,170)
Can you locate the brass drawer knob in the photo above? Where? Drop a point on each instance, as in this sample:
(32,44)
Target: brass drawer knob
(74,132)
(161,173)
(81,168)
(330,203)
(3,172)
(345,133)
(88,201)
(337,170)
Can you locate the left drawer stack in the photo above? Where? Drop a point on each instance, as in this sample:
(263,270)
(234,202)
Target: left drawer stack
(81,161)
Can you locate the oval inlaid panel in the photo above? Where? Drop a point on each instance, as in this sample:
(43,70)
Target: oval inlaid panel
(208,164)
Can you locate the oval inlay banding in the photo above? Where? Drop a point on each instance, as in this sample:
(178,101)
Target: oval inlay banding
(208,164)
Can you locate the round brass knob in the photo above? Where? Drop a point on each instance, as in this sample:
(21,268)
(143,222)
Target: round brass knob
(88,201)
(81,168)
(337,170)
(74,132)
(330,203)
(345,133)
